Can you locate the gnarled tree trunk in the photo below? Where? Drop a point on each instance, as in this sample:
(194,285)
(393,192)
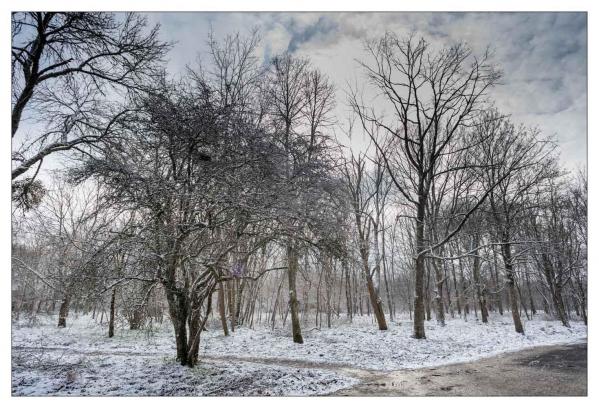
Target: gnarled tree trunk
(177,306)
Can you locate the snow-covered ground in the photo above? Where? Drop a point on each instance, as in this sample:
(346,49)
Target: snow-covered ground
(82,360)
(65,373)
(363,345)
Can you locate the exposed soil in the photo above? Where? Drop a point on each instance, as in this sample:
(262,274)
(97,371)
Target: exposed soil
(540,371)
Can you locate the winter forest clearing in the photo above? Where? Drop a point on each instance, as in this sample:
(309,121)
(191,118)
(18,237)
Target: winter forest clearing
(259,221)
(82,360)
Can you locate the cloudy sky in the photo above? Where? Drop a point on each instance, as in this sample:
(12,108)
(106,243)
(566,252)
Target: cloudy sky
(543,55)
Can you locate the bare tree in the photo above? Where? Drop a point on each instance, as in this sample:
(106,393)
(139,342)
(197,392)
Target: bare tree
(530,161)
(433,98)
(68,70)
(73,231)
(301,99)
(560,250)
(362,192)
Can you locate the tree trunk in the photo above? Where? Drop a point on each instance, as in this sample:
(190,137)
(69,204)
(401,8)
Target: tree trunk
(64,310)
(533,309)
(221,308)
(584,312)
(464,296)
(522,302)
(377,304)
(112,313)
(348,294)
(555,289)
(193,341)
(387,289)
(231,296)
(137,319)
(480,291)
(448,291)
(427,295)
(512,290)
(456,290)
(328,287)
(292,265)
(375,300)
(498,290)
(239,290)
(317,314)
(583,300)
(273,315)
(559,305)
(197,325)
(177,306)
(420,271)
(439,280)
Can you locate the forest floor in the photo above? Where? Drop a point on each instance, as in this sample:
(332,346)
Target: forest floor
(347,359)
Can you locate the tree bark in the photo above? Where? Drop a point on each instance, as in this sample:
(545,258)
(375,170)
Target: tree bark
(239,290)
(221,308)
(377,304)
(498,290)
(464,296)
(137,318)
(197,325)
(375,300)
(583,301)
(559,305)
(177,306)
(231,301)
(348,294)
(420,271)
(439,280)
(456,289)
(292,265)
(419,300)
(480,291)
(384,262)
(112,313)
(533,309)
(556,290)
(427,294)
(64,310)
(512,290)
(328,287)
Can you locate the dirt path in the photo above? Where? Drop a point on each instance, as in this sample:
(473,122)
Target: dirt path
(539,371)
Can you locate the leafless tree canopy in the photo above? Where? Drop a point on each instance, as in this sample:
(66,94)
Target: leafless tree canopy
(69,71)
